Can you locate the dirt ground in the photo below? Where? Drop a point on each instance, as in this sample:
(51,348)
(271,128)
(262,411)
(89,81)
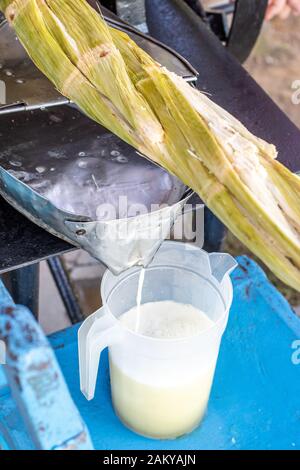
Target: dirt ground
(275,61)
(275,65)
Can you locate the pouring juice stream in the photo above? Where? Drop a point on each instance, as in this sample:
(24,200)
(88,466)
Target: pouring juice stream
(139,298)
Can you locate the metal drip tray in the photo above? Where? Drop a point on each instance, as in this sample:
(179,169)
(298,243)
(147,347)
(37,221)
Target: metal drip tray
(78,181)
(74,178)
(23,87)
(80,167)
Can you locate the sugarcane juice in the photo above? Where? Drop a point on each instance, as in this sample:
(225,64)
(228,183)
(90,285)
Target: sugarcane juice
(162,410)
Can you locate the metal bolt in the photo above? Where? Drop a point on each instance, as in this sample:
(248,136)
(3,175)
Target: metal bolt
(81,232)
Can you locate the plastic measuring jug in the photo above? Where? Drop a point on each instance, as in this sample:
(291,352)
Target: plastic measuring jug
(160,387)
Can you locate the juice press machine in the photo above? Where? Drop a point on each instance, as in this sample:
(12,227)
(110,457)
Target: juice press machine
(66,173)
(47,145)
(57,167)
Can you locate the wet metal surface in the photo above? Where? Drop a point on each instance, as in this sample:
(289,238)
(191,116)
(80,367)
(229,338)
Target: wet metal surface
(25,85)
(78,165)
(68,174)
(27,88)
(36,385)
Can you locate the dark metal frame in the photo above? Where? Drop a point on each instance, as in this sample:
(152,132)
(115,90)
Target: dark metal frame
(65,289)
(23,285)
(248,17)
(198,8)
(239,36)
(110,5)
(247,20)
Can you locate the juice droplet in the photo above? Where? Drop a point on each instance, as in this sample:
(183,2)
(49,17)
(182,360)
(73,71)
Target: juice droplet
(15,163)
(82,164)
(122,159)
(55,118)
(40,169)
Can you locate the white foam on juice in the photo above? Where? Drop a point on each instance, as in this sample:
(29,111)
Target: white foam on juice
(164,319)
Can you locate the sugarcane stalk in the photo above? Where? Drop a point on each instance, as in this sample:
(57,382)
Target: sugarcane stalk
(121,87)
(220,200)
(50,58)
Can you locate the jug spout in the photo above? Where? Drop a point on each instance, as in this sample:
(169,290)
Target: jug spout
(221,264)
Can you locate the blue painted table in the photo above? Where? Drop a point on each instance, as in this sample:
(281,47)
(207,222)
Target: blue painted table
(255,400)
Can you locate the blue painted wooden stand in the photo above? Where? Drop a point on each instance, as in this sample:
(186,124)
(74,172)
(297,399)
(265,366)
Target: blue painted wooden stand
(255,401)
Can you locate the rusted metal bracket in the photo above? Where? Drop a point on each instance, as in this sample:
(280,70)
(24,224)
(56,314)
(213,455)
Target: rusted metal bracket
(36,382)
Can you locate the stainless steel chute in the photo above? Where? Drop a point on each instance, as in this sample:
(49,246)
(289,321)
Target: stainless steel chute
(73,177)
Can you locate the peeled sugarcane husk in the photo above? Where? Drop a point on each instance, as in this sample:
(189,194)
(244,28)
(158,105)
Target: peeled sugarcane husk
(118,85)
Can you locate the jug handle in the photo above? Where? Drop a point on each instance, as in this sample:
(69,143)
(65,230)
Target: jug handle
(97,332)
